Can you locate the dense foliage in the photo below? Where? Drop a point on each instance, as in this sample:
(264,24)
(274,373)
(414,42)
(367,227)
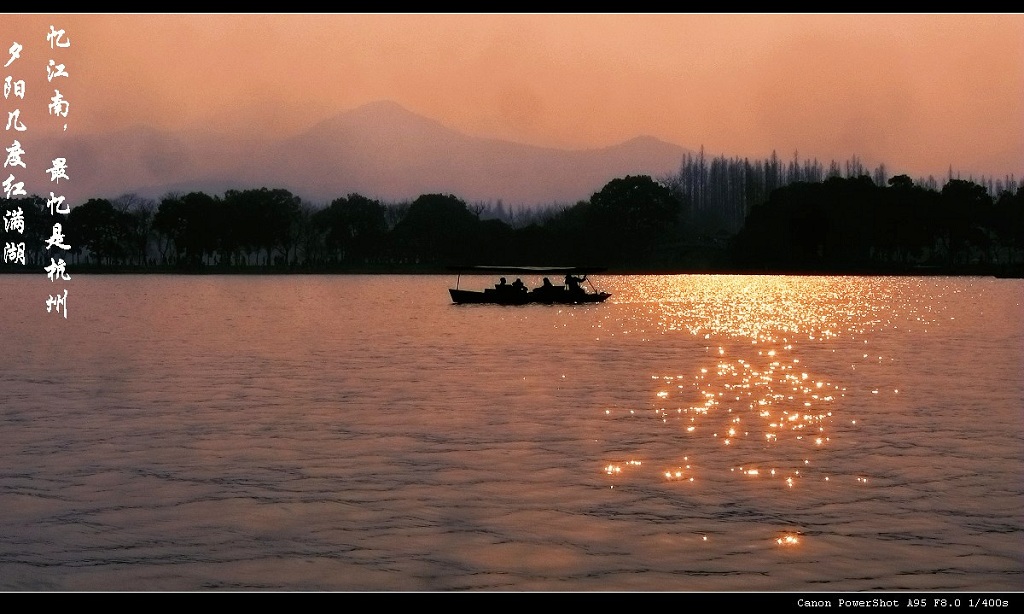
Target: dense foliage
(853,224)
(809,220)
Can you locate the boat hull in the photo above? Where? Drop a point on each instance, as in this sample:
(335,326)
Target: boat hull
(558,296)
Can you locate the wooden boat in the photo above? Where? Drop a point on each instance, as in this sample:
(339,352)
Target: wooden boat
(508,294)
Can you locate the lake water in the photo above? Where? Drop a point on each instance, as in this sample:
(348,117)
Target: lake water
(362,433)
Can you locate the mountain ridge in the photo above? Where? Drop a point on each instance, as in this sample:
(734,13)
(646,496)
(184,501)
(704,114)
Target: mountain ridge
(380,149)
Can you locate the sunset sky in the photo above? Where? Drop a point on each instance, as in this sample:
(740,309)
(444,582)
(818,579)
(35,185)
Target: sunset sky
(917,92)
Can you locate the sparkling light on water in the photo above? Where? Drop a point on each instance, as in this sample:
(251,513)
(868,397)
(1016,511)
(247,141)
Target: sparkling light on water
(757,408)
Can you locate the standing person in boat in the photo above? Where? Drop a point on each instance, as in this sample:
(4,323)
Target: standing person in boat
(573,283)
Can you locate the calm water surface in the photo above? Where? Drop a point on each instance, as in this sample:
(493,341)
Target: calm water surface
(693,433)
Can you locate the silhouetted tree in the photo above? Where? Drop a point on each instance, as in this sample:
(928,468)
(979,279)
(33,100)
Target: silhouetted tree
(137,217)
(190,222)
(264,220)
(95,225)
(1008,222)
(962,207)
(437,228)
(631,215)
(354,226)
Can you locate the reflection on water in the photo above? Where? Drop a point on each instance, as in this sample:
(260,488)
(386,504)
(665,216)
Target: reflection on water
(362,433)
(755,395)
(765,403)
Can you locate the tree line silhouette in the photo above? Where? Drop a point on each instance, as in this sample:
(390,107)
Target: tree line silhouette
(713,215)
(721,191)
(852,224)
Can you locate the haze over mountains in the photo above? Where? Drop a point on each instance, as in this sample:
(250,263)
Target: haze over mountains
(380,150)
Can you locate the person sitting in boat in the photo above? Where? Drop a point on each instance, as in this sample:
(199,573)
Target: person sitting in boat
(546,291)
(518,285)
(501,285)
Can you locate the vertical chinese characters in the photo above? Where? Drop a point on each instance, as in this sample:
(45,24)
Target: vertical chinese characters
(14,218)
(59,108)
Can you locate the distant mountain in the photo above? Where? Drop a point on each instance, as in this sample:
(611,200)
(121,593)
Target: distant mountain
(380,150)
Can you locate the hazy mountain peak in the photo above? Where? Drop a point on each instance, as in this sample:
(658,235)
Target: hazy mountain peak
(379,149)
(643,138)
(380,106)
(381,112)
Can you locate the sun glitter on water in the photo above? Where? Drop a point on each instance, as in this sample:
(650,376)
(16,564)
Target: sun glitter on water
(788,540)
(757,400)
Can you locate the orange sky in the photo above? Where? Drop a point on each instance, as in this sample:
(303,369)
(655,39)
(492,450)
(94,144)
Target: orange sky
(917,92)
